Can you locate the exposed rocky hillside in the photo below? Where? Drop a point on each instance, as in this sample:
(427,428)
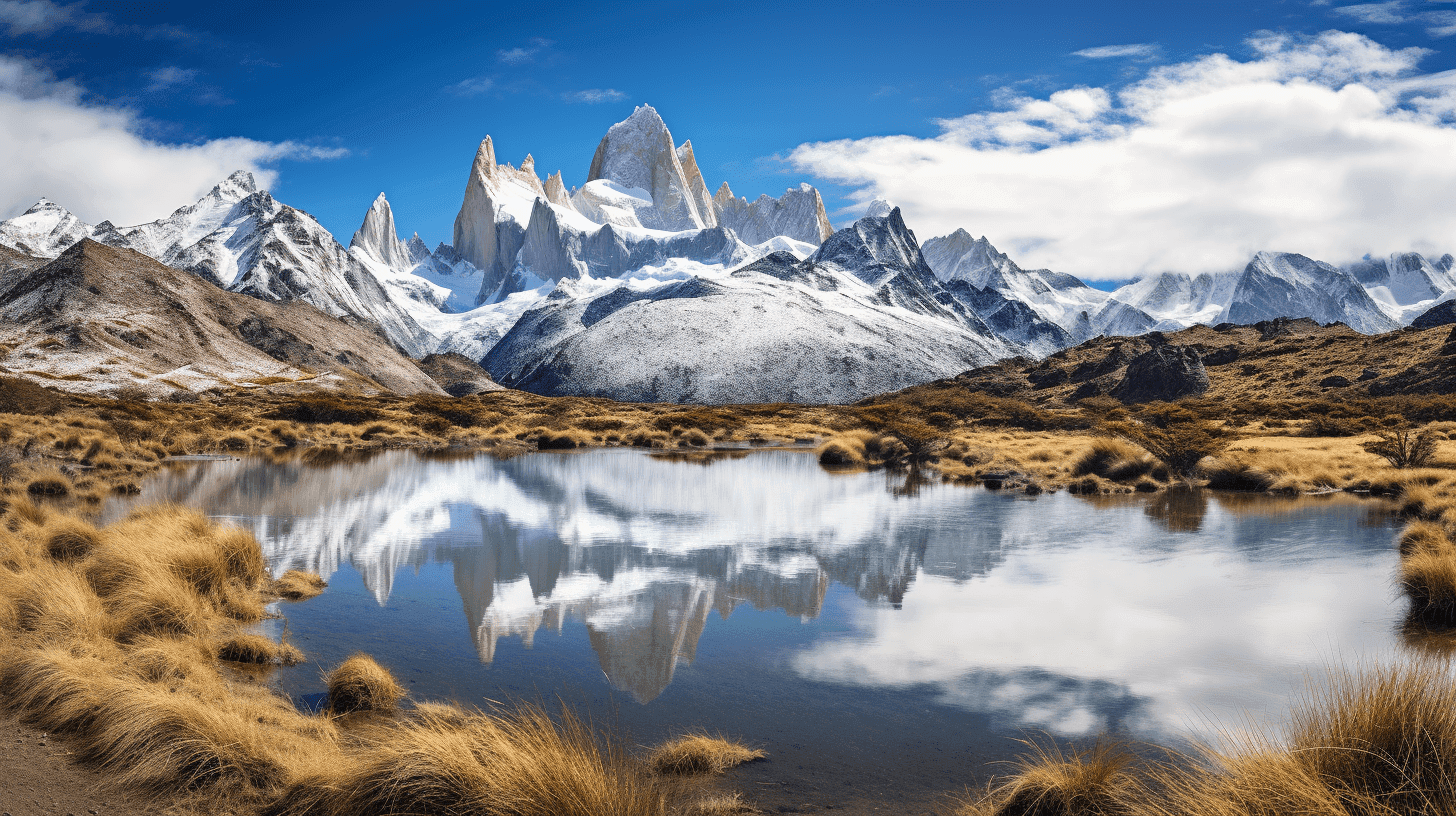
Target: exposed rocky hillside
(98,318)
(1271,360)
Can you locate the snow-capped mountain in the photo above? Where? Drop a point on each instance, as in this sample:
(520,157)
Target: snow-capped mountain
(1406,284)
(1061,300)
(1283,284)
(240,238)
(861,316)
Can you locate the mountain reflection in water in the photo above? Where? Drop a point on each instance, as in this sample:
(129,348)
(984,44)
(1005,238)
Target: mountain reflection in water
(1058,612)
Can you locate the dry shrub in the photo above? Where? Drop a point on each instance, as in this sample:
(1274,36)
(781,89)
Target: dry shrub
(699,753)
(1404,447)
(842,451)
(297,585)
(18,396)
(360,684)
(446,761)
(695,438)
(1051,782)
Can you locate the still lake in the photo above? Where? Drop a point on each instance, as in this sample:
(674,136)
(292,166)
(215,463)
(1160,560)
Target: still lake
(882,640)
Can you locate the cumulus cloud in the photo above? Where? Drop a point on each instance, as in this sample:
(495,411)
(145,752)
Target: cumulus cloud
(94,159)
(1333,146)
(593,96)
(1136,51)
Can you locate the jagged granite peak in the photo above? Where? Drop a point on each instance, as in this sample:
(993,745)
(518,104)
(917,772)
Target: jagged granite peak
(638,153)
(419,251)
(798,214)
(1286,284)
(546,251)
(698,188)
(378,237)
(556,191)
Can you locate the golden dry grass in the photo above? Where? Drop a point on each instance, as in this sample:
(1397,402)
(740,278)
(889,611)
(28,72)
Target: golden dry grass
(1051,781)
(1376,741)
(700,753)
(297,585)
(119,645)
(445,761)
(361,684)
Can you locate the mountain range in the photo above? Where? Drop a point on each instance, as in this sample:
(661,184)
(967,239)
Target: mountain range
(643,285)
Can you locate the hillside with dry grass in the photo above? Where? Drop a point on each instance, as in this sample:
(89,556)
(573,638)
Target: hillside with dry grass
(98,318)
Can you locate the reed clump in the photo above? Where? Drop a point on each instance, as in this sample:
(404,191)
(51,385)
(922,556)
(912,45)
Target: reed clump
(700,753)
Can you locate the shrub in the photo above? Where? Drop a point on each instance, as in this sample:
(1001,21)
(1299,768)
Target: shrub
(1180,444)
(1404,447)
(297,585)
(1236,475)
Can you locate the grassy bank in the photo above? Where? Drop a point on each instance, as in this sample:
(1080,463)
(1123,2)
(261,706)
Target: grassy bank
(129,643)
(1377,740)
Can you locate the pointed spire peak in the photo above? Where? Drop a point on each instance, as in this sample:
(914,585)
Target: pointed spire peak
(528,164)
(484,159)
(724,191)
(244,179)
(45,205)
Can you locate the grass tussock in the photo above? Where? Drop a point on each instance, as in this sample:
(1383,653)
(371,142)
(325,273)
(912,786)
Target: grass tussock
(1376,741)
(297,585)
(445,761)
(1052,782)
(700,753)
(361,684)
(257,650)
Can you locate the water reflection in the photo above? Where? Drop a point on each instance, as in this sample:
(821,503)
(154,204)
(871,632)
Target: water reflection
(1072,614)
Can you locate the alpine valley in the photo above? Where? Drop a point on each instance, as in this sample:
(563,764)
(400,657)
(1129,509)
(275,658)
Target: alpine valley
(640,285)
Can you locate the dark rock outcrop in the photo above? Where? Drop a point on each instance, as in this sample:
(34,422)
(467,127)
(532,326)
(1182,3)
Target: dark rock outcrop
(1166,372)
(1439,315)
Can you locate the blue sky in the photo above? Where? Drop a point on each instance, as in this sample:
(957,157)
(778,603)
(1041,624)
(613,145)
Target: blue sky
(344,100)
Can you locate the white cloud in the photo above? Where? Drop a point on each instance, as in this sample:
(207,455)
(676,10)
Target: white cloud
(93,159)
(42,17)
(474,86)
(592,96)
(1388,13)
(170,76)
(521,56)
(1138,50)
(1331,146)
